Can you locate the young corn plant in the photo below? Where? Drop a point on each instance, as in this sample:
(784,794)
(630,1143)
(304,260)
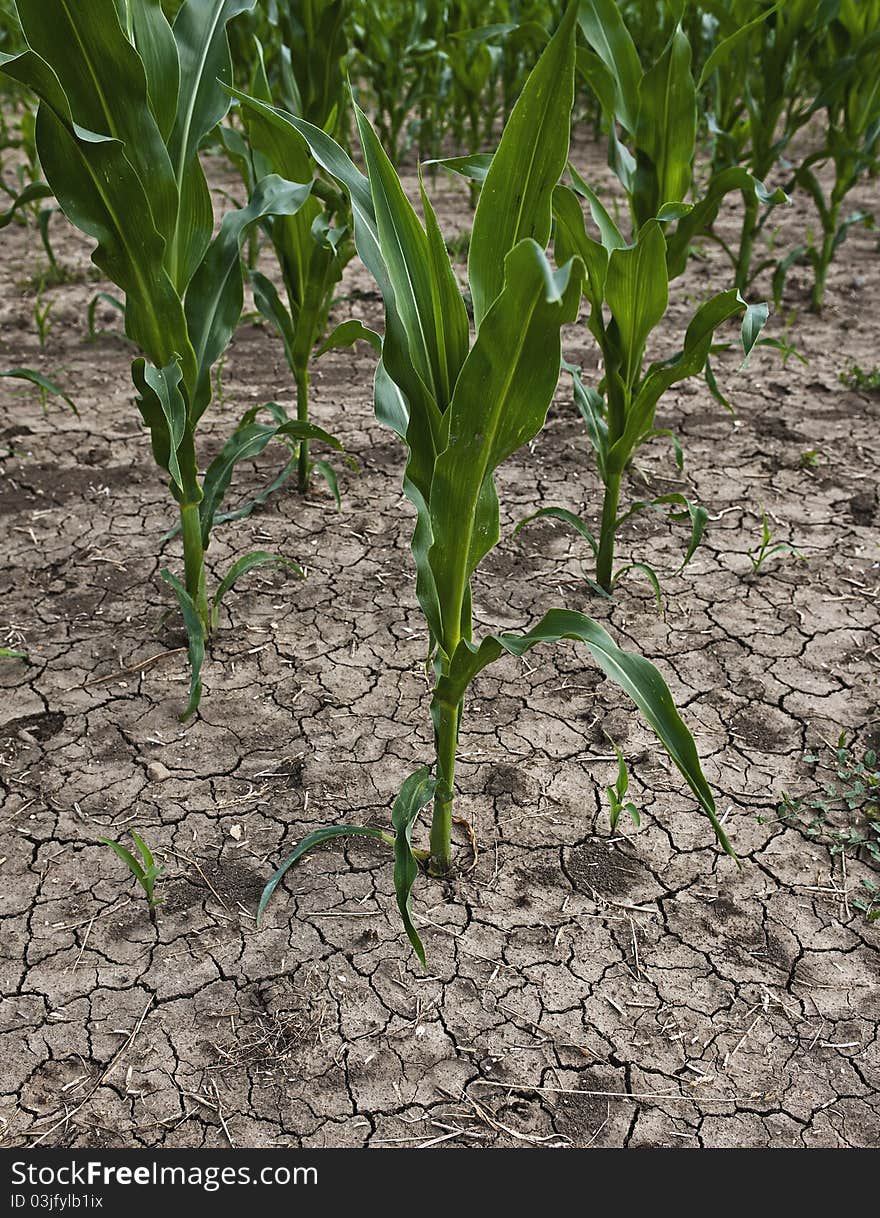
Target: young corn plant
(652,120)
(849,95)
(759,86)
(146,872)
(312,246)
(462,405)
(626,289)
(627,282)
(118,131)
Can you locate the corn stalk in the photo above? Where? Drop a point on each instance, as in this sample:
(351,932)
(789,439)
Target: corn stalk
(125,100)
(462,405)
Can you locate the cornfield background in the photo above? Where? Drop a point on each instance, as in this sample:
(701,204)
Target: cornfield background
(447,432)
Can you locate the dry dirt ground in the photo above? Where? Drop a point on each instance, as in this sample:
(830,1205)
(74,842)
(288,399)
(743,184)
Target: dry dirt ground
(583,989)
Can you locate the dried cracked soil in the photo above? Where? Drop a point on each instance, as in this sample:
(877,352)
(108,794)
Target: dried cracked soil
(583,988)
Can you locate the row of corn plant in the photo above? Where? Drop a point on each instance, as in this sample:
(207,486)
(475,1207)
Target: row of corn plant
(462,404)
(797,90)
(118,131)
(652,120)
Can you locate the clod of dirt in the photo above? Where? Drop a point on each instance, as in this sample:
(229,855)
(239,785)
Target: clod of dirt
(157,772)
(39,728)
(597,868)
(863,507)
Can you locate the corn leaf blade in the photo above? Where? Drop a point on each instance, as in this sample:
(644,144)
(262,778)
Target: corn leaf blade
(533,153)
(308,843)
(635,675)
(500,402)
(415,794)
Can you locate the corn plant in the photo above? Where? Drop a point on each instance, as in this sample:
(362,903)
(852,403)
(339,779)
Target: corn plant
(656,112)
(849,95)
(118,130)
(617,794)
(768,548)
(627,283)
(627,292)
(146,872)
(312,246)
(462,405)
(759,88)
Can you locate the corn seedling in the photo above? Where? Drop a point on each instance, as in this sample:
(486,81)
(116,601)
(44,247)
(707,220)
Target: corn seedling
(759,90)
(118,131)
(146,872)
(627,292)
(46,387)
(768,548)
(464,404)
(42,309)
(7,653)
(855,377)
(617,794)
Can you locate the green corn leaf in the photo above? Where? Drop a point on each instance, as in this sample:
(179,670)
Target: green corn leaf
(449,312)
(702,215)
(205,67)
(215,296)
(328,473)
(105,87)
(611,236)
(697,346)
(694,512)
(240,513)
(650,574)
(792,258)
(636,289)
(419,282)
(308,843)
(247,441)
(572,240)
(127,857)
(346,334)
(567,517)
(606,33)
(633,673)
(728,45)
(32,192)
(165,385)
(270,305)
(416,792)
(195,633)
(8,654)
(598,79)
(146,854)
(500,402)
(156,45)
(101,194)
(754,321)
(43,383)
(591,407)
(533,153)
(101,298)
(474,168)
(666,130)
(247,562)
